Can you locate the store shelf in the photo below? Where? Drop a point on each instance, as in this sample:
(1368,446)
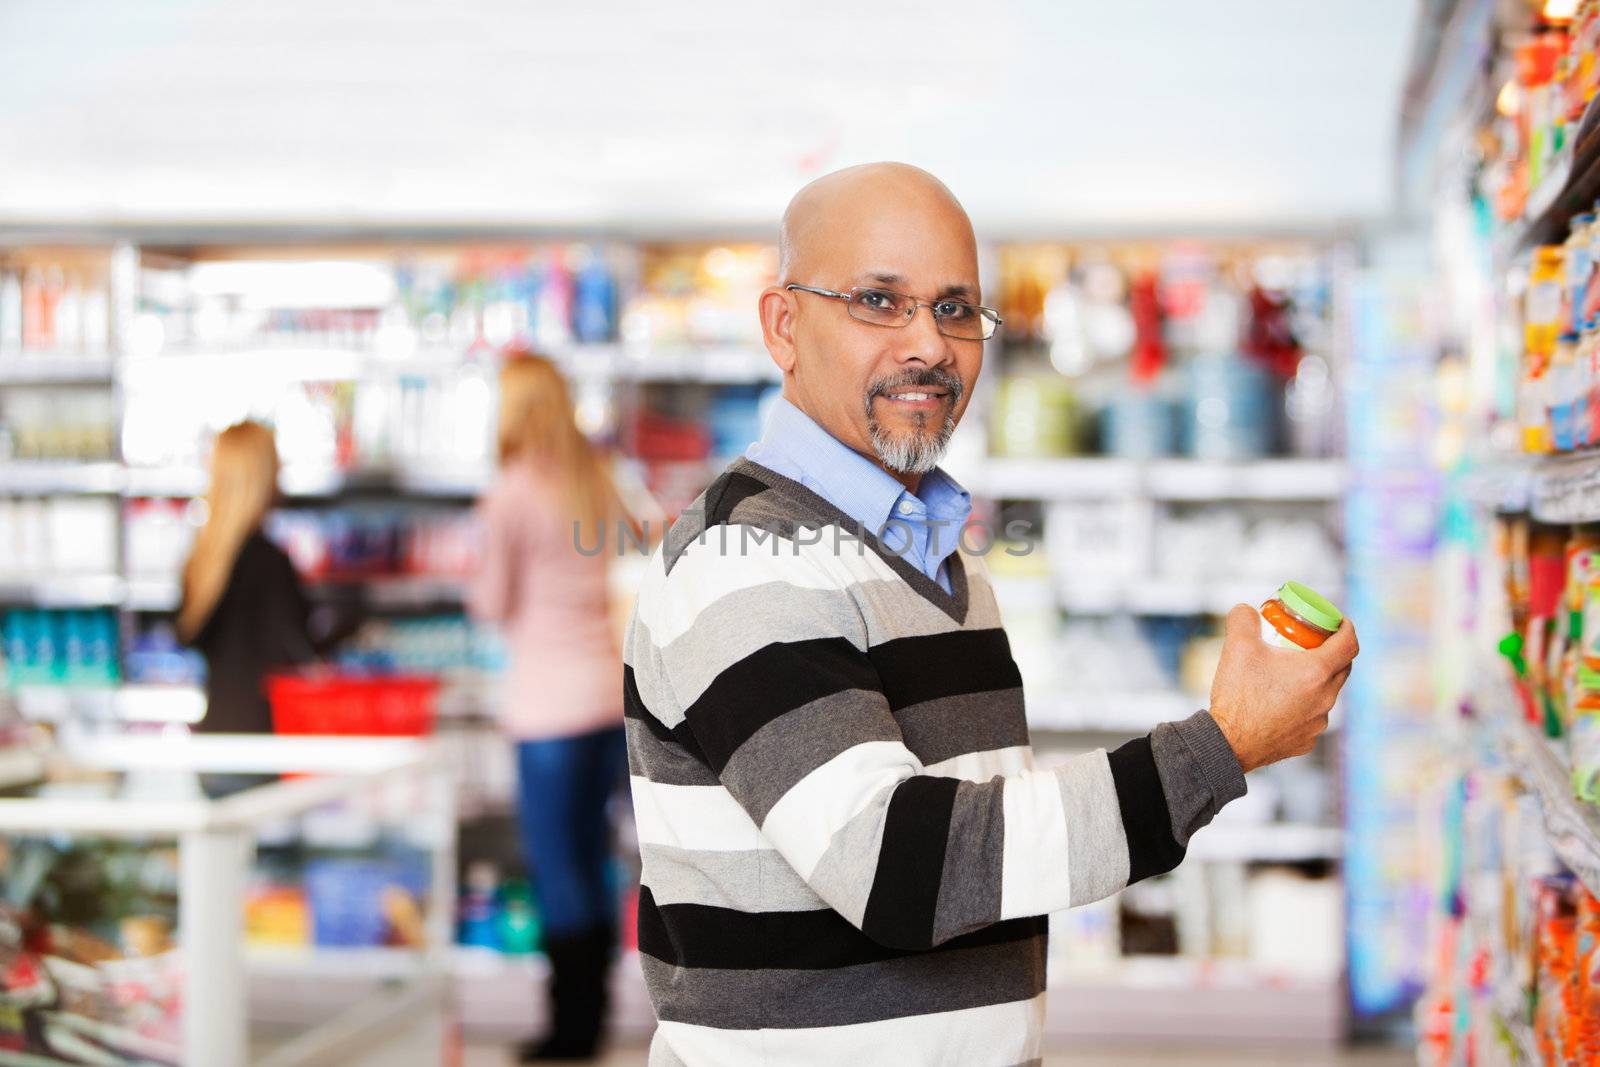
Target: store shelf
(1572,826)
(1172,479)
(64,591)
(708,363)
(1174,998)
(380,963)
(1565,489)
(439,479)
(1268,843)
(59,477)
(1156,595)
(51,368)
(1057,479)
(1108,711)
(121,703)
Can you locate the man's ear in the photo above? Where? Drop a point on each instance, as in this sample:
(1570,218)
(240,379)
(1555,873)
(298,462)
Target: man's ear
(777,326)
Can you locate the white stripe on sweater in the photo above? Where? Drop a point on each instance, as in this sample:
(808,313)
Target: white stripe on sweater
(705,818)
(704,573)
(1033,878)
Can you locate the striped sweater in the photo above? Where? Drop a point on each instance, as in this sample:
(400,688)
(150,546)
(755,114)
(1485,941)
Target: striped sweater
(847,853)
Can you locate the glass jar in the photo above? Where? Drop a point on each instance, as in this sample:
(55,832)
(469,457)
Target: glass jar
(1298,617)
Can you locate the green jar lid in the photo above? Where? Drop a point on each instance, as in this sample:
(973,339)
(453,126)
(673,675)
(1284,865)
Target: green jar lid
(1310,605)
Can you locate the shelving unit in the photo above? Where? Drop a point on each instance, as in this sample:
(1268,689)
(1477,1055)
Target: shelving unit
(1161,480)
(214,838)
(1573,827)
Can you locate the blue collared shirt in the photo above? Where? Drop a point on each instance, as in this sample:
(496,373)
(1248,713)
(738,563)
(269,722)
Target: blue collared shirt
(922,527)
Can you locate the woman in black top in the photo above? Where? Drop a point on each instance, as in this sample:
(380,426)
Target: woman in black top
(243,605)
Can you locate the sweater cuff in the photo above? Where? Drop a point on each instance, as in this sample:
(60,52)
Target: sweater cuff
(1199,772)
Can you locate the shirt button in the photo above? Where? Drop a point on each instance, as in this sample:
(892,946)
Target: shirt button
(906,507)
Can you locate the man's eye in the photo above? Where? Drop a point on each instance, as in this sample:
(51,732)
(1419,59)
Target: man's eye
(878,300)
(949,309)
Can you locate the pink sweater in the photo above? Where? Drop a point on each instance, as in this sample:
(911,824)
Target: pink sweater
(565,673)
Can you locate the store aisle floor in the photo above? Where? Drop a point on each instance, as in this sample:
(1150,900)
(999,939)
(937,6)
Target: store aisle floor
(1095,1055)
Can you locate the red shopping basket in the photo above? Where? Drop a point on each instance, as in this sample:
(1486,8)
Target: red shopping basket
(328,703)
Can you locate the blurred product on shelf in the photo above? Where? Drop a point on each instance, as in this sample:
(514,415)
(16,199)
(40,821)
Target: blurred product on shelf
(88,970)
(1142,351)
(434,301)
(446,645)
(497,914)
(347,543)
(699,295)
(57,536)
(45,647)
(54,304)
(69,424)
(1539,113)
(154,656)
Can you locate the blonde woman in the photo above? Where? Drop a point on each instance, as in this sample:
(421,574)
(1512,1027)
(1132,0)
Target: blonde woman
(243,605)
(563,697)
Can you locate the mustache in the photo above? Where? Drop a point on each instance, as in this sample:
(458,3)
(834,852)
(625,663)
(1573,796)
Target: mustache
(918,376)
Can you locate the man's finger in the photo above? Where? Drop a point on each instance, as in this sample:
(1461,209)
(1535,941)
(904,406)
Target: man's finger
(1340,649)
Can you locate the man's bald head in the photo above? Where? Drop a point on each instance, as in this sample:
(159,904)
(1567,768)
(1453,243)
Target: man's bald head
(836,206)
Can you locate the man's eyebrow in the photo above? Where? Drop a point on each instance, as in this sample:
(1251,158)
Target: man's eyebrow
(954,289)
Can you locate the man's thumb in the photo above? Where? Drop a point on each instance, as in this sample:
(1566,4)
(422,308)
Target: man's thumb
(1242,623)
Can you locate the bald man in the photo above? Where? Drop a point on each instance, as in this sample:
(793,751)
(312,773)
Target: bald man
(848,853)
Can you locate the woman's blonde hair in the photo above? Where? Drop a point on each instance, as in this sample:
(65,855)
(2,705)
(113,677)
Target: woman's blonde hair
(537,426)
(244,483)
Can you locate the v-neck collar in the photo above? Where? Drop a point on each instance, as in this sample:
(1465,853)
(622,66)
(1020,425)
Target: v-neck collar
(953,603)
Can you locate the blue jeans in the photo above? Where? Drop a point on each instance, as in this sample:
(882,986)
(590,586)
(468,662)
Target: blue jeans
(563,786)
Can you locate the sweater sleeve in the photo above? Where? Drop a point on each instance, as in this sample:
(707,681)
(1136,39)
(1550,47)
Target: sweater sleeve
(761,668)
(491,596)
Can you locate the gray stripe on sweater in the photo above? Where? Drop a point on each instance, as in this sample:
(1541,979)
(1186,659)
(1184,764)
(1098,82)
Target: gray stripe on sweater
(1097,847)
(736,625)
(663,761)
(946,727)
(865,993)
(750,881)
(969,886)
(776,757)
(1199,772)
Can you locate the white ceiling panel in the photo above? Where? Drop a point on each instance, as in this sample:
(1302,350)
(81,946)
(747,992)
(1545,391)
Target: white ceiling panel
(1043,117)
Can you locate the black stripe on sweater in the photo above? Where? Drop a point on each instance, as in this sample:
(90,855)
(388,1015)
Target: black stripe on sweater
(633,707)
(1146,822)
(702,935)
(772,680)
(905,888)
(930,666)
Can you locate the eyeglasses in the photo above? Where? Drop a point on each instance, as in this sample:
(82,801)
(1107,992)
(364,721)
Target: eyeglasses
(883,307)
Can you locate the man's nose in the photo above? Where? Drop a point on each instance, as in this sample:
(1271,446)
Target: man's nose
(923,341)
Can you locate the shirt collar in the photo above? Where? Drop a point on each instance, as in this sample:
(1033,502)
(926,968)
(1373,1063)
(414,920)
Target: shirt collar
(795,445)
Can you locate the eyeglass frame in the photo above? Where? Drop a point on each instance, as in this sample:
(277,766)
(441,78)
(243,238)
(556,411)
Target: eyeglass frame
(991,314)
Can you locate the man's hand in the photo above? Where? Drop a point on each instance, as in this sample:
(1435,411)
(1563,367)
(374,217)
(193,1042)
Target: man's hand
(1273,703)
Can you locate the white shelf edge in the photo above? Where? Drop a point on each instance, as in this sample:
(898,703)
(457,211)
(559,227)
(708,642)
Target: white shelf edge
(1110,478)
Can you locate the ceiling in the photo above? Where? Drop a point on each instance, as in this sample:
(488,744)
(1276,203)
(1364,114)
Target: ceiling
(1045,118)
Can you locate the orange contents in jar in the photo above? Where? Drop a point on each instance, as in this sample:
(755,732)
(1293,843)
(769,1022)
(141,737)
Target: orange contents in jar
(1292,626)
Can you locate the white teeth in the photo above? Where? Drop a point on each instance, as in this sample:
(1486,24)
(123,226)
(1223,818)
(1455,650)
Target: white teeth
(913,396)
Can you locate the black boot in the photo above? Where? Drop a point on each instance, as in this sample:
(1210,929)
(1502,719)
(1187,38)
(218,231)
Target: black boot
(580,967)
